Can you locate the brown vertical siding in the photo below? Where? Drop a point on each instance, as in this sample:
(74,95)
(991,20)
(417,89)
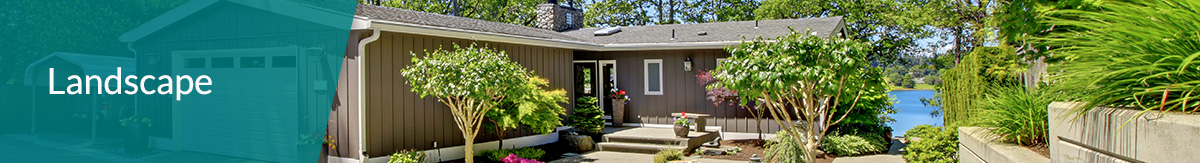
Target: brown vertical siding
(399,119)
(201,36)
(681,92)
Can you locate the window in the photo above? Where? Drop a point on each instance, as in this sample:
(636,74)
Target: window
(222,62)
(195,63)
(253,62)
(653,77)
(720,60)
(283,61)
(570,20)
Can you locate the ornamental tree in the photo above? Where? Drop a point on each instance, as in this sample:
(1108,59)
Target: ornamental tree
(471,81)
(531,106)
(800,80)
(718,95)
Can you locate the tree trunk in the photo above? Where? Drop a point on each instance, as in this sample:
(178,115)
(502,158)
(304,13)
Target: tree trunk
(470,152)
(500,136)
(758,124)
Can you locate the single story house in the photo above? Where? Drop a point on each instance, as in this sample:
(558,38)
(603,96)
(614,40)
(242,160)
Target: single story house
(655,64)
(373,113)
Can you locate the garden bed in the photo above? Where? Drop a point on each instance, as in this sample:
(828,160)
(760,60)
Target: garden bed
(751,147)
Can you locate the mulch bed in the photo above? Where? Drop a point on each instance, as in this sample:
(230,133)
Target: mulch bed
(749,148)
(1040,150)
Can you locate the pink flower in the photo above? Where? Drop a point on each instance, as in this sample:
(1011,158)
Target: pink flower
(513,158)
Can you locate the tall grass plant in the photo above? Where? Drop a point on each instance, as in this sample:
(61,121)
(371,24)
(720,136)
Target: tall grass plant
(1140,54)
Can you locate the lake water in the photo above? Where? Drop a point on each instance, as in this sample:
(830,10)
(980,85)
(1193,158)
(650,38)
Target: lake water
(910,112)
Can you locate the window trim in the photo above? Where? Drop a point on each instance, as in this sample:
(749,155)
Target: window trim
(719,60)
(646,76)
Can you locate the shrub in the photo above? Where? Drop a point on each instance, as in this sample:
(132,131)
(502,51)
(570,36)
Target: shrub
(936,145)
(1018,115)
(846,145)
(668,155)
(920,131)
(783,149)
(587,117)
(527,152)
(963,85)
(407,156)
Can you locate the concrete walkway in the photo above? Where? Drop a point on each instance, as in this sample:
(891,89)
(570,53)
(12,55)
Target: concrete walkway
(879,158)
(619,157)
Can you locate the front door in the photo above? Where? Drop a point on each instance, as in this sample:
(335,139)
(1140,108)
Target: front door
(608,83)
(596,79)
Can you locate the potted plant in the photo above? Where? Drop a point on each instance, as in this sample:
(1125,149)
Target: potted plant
(682,123)
(136,138)
(619,99)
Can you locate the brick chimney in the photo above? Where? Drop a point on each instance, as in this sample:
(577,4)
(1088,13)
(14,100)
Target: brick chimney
(556,17)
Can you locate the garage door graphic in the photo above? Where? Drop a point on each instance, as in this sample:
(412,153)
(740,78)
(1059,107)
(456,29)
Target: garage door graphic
(253,110)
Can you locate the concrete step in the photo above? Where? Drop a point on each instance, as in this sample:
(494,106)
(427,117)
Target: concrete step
(636,147)
(645,139)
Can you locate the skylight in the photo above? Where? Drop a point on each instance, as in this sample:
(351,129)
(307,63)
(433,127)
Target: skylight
(607,31)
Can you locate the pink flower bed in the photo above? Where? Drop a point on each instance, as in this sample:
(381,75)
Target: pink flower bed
(512,158)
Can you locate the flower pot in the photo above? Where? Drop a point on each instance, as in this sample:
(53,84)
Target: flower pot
(681,131)
(136,138)
(618,115)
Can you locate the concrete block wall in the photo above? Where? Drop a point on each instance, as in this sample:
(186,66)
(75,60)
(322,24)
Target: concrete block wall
(1104,135)
(975,145)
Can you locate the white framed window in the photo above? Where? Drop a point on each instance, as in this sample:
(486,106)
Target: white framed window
(653,76)
(719,61)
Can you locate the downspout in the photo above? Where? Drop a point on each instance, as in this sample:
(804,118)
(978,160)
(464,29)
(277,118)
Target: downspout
(362,53)
(136,105)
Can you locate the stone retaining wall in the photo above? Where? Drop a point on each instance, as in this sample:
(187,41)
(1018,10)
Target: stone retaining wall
(1099,136)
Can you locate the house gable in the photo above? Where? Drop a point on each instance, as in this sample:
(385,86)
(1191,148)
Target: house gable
(218,14)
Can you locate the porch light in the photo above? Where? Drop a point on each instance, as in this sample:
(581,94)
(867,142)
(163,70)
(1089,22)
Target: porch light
(687,64)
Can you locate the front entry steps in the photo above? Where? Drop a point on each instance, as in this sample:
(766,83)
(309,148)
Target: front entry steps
(651,140)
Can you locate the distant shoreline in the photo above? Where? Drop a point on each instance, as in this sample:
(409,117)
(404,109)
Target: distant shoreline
(910,89)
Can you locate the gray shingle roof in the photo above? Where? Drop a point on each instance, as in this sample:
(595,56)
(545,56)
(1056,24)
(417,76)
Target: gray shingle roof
(684,33)
(447,21)
(716,32)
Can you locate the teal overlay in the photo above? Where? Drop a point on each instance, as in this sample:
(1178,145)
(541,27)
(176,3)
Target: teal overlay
(169,80)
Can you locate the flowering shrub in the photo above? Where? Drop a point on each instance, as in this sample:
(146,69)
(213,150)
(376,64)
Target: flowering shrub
(512,158)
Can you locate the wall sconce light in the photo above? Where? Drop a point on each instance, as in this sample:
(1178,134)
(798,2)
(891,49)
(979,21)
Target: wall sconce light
(687,64)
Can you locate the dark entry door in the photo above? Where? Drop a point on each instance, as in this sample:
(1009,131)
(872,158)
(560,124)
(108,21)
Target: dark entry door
(607,82)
